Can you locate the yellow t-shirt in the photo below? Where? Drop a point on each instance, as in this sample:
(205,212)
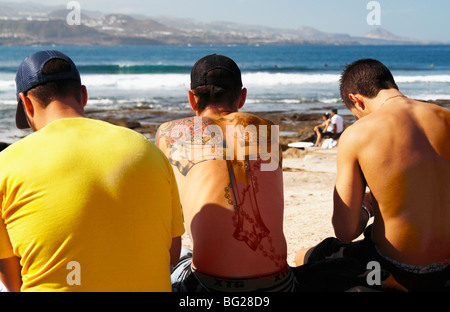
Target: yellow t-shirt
(88,206)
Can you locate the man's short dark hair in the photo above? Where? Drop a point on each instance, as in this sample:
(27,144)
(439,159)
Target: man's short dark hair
(366,77)
(49,91)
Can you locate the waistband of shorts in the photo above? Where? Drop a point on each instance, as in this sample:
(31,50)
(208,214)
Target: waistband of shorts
(417,269)
(283,280)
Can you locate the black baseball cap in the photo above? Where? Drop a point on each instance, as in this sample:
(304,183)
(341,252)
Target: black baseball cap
(200,70)
(30,75)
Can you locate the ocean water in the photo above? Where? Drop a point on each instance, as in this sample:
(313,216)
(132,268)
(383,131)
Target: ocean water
(278,78)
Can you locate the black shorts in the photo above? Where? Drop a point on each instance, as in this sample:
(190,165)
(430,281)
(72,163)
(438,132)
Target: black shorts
(351,265)
(326,133)
(186,279)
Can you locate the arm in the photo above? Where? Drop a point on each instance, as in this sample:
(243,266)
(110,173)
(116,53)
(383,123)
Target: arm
(10,269)
(175,250)
(160,137)
(349,219)
(10,273)
(334,130)
(323,125)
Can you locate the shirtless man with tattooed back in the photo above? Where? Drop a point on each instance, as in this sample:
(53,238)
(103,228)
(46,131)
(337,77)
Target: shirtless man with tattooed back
(228,169)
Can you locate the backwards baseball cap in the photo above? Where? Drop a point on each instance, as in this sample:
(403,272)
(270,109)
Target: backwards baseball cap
(30,75)
(199,73)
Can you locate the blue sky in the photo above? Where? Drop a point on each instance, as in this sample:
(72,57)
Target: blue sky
(419,19)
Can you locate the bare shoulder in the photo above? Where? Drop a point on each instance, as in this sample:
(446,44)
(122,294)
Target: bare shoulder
(434,121)
(162,134)
(185,130)
(356,133)
(246,119)
(364,135)
(166,132)
(434,109)
(170,124)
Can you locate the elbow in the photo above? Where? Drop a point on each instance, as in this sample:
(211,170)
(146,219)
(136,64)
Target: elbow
(175,251)
(344,237)
(342,231)
(346,220)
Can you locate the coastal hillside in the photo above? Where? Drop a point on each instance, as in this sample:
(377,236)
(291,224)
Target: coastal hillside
(36,24)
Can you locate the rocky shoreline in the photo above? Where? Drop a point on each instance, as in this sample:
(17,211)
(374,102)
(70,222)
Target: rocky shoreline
(294,126)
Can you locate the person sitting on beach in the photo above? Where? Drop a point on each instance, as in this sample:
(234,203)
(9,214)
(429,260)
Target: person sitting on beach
(228,168)
(336,125)
(324,129)
(398,148)
(85,205)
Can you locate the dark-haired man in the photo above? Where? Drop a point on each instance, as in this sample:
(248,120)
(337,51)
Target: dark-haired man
(228,168)
(400,149)
(85,205)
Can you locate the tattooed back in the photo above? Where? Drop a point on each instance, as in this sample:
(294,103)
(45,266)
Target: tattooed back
(228,170)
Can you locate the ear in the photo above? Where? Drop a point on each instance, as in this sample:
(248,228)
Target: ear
(242,98)
(357,100)
(84,96)
(192,101)
(27,105)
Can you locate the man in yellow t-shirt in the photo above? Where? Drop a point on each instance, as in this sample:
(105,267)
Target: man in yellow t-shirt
(85,205)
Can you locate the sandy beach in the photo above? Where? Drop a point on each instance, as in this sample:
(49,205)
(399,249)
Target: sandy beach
(309,177)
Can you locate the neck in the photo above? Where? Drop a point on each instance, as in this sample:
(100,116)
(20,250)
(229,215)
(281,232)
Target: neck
(386,96)
(216,110)
(58,110)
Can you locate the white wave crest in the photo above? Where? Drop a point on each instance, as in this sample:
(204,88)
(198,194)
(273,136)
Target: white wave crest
(137,82)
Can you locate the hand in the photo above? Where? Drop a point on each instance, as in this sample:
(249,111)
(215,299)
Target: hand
(370,202)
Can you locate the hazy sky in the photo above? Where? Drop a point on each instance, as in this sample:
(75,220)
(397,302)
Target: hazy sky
(407,18)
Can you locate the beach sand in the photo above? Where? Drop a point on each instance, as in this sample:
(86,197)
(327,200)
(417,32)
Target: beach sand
(309,177)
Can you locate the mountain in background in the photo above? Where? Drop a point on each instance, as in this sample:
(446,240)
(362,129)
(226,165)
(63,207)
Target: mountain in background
(383,34)
(31,23)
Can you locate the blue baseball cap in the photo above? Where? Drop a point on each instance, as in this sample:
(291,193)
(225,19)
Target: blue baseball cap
(30,75)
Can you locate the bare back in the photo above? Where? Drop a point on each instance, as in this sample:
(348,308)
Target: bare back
(232,198)
(403,150)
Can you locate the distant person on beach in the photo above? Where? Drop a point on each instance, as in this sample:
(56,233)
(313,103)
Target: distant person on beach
(85,205)
(324,129)
(400,149)
(228,168)
(337,124)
